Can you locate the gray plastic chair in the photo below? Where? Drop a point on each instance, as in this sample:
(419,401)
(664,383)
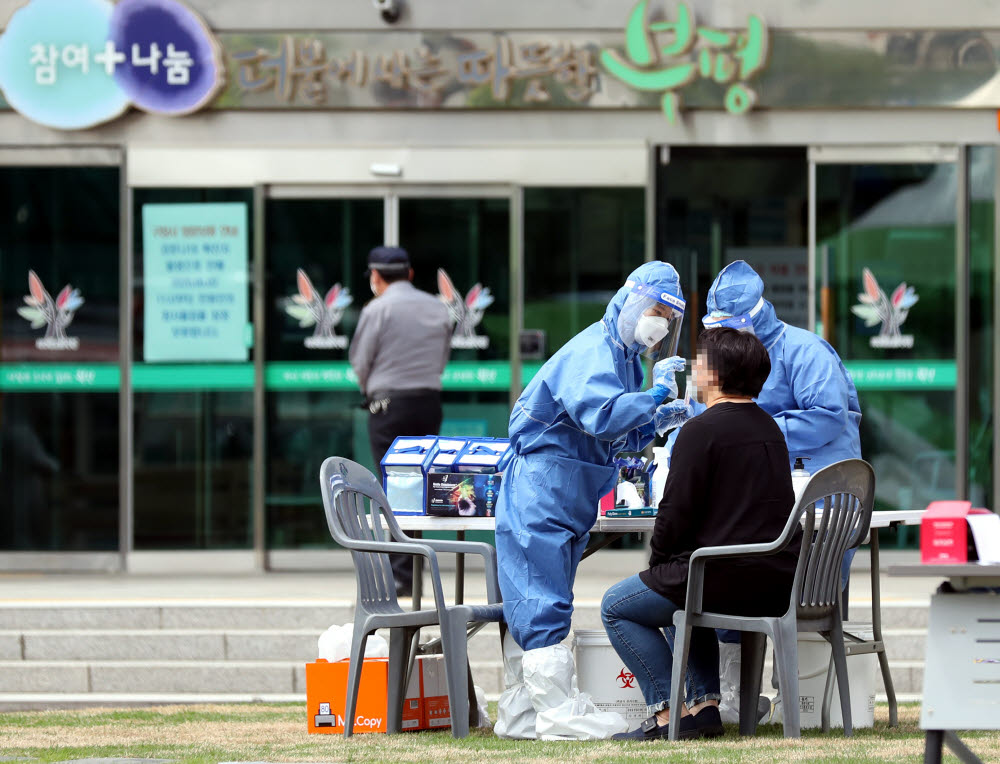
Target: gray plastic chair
(346,486)
(847,492)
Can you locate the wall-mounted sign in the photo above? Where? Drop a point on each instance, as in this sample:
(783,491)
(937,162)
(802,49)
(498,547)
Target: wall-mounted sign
(875,308)
(785,271)
(54,314)
(466,313)
(310,308)
(665,56)
(195,282)
(73,64)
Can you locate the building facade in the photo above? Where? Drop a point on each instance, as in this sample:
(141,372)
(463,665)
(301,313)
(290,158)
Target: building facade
(187,202)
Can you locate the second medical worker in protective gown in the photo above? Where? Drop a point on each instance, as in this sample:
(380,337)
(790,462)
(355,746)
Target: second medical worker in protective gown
(584,406)
(808,393)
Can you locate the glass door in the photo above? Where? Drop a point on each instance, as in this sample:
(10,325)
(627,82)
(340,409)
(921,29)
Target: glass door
(883,253)
(317,241)
(60,256)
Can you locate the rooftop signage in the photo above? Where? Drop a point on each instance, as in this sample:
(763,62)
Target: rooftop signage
(73,64)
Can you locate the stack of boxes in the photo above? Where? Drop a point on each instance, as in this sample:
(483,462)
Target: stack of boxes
(445,477)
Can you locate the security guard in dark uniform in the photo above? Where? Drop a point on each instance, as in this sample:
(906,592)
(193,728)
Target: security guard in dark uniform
(399,351)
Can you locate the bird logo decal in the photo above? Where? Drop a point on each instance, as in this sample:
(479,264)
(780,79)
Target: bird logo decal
(875,307)
(310,309)
(465,313)
(41,310)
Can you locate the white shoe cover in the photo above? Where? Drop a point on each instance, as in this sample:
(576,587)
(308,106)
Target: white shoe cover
(563,712)
(515,714)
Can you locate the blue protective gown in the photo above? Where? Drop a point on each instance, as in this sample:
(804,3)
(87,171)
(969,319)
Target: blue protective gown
(809,392)
(584,406)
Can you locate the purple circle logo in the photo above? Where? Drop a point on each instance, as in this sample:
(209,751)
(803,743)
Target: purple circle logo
(173,62)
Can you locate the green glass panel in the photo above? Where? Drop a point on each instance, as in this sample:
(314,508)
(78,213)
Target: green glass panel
(580,245)
(317,254)
(886,284)
(468,239)
(193,436)
(982,262)
(59,313)
(193,469)
(756,213)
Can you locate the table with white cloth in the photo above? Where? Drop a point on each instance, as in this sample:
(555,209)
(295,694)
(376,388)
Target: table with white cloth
(614,528)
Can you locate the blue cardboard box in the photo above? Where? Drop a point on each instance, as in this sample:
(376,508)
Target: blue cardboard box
(484,455)
(448,450)
(404,471)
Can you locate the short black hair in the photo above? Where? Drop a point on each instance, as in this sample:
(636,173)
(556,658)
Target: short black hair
(739,360)
(391,276)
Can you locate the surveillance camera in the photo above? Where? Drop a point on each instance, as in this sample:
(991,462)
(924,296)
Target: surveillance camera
(389,9)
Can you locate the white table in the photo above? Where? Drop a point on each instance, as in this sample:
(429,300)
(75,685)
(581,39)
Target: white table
(616,527)
(960,677)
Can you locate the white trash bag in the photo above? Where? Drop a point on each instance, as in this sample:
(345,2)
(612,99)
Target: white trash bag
(334,644)
(515,714)
(563,712)
(729,681)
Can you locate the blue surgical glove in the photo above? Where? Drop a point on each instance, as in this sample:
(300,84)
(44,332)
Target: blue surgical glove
(671,415)
(664,384)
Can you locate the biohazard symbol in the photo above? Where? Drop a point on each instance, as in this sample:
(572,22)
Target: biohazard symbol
(625,679)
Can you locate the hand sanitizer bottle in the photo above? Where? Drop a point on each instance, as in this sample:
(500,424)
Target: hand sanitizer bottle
(799,476)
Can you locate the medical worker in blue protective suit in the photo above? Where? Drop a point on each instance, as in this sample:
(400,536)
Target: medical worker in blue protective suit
(583,407)
(808,393)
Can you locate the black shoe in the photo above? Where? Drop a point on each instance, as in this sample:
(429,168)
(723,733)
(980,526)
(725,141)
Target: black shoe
(708,722)
(651,730)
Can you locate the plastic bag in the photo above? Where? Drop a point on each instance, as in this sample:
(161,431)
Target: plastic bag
(334,644)
(484,712)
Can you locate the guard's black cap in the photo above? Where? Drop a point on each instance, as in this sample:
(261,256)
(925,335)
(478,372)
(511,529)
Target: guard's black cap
(393,260)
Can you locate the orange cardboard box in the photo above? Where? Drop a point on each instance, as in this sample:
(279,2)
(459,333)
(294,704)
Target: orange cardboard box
(326,689)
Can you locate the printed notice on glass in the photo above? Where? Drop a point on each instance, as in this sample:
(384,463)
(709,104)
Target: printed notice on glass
(195,282)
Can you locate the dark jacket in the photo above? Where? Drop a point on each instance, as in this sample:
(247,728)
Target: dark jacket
(729,483)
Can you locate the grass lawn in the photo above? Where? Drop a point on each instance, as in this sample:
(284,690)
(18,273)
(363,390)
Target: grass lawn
(278,733)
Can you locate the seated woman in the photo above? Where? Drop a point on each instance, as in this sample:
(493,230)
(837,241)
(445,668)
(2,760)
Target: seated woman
(729,483)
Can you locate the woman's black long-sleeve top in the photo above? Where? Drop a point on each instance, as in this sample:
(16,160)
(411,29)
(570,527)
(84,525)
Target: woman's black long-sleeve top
(729,483)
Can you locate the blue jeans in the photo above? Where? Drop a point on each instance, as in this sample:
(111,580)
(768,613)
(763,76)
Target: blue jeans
(635,617)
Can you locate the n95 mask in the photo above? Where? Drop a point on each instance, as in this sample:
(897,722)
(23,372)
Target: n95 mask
(651,329)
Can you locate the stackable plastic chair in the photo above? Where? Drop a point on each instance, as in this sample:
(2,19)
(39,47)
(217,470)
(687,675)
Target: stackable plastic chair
(847,492)
(347,488)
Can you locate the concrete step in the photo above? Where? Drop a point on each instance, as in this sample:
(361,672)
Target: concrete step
(181,615)
(263,677)
(158,645)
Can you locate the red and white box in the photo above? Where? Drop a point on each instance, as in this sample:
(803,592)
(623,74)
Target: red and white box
(945,536)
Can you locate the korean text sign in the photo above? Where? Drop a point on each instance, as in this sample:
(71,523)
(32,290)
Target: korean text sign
(72,64)
(195,277)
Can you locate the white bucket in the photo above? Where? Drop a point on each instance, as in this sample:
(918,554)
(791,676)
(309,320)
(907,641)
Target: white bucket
(814,660)
(602,675)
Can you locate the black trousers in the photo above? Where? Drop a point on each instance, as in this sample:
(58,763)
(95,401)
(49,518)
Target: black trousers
(408,412)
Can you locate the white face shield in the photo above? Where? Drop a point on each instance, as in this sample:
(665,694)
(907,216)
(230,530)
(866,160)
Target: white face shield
(650,321)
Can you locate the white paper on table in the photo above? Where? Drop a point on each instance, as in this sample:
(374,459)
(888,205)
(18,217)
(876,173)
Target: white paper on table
(986,533)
